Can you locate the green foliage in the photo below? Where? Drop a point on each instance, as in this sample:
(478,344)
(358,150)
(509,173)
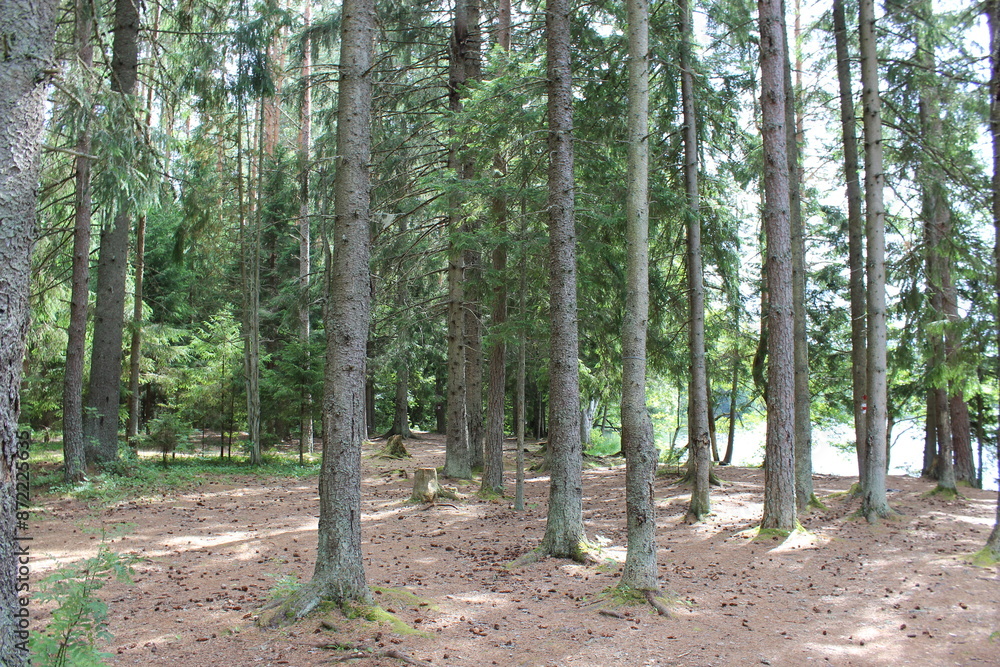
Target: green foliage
(604,443)
(284,586)
(79,621)
(167,433)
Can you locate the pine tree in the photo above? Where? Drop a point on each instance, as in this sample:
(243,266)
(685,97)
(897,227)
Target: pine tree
(24,69)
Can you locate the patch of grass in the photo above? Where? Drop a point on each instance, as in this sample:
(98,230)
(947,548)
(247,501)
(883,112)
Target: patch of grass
(137,477)
(284,586)
(608,443)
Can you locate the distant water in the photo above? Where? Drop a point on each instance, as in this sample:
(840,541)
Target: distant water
(906,452)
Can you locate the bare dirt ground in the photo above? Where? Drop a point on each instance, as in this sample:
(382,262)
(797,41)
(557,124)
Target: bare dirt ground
(848,593)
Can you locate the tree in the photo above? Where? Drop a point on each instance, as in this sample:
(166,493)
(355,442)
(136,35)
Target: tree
(74,455)
(993,16)
(564,535)
(101,420)
(779,473)
(855,233)
(699,451)
(339,573)
(496,385)
(305,229)
(640,571)
(874,502)
(457,458)
(26,29)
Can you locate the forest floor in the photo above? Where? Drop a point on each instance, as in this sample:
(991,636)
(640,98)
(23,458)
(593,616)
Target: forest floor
(843,593)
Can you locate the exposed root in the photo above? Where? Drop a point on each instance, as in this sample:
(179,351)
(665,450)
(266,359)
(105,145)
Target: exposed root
(660,608)
(358,652)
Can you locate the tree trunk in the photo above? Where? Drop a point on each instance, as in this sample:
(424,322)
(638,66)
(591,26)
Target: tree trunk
(22,107)
(135,348)
(803,424)
(874,501)
(855,234)
(640,572)
(497,383)
(339,575)
(101,422)
(305,231)
(564,535)
(457,462)
(474,360)
(73,444)
(930,469)
(699,441)
(993,16)
(779,461)
(733,389)
(519,410)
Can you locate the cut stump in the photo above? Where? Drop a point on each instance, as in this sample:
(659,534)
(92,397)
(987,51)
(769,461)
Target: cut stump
(394,449)
(425,485)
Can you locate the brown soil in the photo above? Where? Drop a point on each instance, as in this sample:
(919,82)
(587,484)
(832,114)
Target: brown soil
(845,593)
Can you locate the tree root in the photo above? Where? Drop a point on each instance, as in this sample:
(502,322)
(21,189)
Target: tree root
(360,652)
(660,608)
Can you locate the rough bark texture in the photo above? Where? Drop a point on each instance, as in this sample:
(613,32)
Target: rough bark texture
(135,347)
(993,15)
(73,445)
(26,30)
(457,462)
(101,423)
(874,502)
(564,536)
(305,229)
(640,572)
(699,452)
(779,473)
(339,573)
(803,399)
(855,231)
(474,359)
(497,382)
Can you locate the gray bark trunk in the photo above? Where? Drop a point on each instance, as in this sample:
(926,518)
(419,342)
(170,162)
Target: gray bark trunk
(101,423)
(699,439)
(564,535)
(855,233)
(640,572)
(874,501)
(779,462)
(993,16)
(339,567)
(803,399)
(26,29)
(73,444)
(305,230)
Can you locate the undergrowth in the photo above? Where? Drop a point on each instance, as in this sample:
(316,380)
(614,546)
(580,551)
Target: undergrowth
(79,621)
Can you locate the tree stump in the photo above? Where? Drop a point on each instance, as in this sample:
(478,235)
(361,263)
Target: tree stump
(425,485)
(394,449)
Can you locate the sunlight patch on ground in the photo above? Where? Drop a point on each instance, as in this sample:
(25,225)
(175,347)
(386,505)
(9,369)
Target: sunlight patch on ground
(976,520)
(798,540)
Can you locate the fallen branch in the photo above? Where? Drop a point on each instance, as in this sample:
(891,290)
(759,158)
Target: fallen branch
(612,614)
(389,653)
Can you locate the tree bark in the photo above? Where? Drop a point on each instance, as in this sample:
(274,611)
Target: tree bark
(305,230)
(26,31)
(993,16)
(74,455)
(874,502)
(779,461)
(101,421)
(640,572)
(564,534)
(855,234)
(803,399)
(339,573)
(699,442)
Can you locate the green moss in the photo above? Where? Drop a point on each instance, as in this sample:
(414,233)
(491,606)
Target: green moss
(816,504)
(985,558)
(402,596)
(943,492)
(376,614)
